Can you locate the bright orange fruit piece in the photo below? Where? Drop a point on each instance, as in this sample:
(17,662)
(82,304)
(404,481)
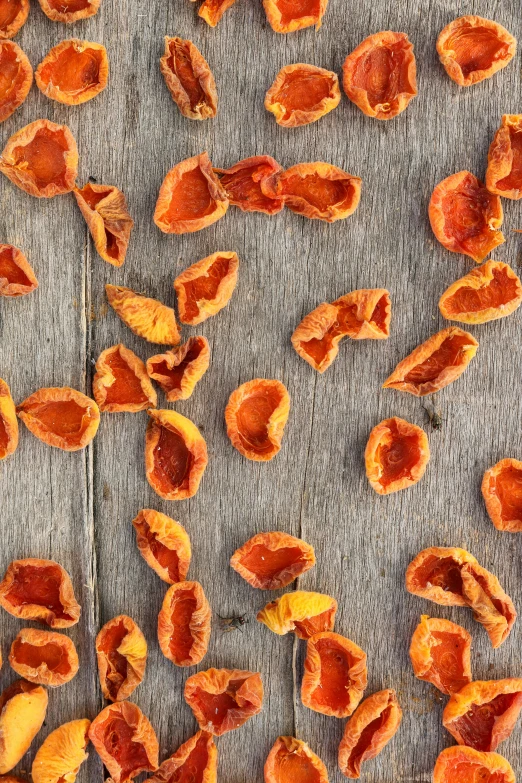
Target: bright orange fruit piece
(69,11)
(184,624)
(44,657)
(16,75)
(502,492)
(146,317)
(194,762)
(23,706)
(466,765)
(8,422)
(164,544)
(73,72)
(61,417)
(13,15)
(243,184)
(440,653)
(104,208)
(292,761)
(224,699)
(396,455)
(16,275)
(273,560)
(490,291)
(205,287)
(472,49)
(179,370)
(302,94)
(504,172)
(189,79)
(212,10)
(303,612)
(286,16)
(62,753)
(121,382)
(121,651)
(256,415)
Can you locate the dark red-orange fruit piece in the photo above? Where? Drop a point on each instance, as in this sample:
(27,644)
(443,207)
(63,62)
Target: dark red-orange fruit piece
(466,765)
(502,493)
(335,675)
(224,699)
(205,288)
(272,560)
(69,11)
(60,417)
(44,657)
(488,292)
(104,208)
(178,371)
(292,761)
(8,422)
(243,184)
(302,94)
(73,72)
(286,16)
(194,762)
(189,79)
(472,49)
(504,172)
(16,77)
(121,382)
(13,15)
(184,624)
(16,275)
(396,455)
(440,653)
(121,651)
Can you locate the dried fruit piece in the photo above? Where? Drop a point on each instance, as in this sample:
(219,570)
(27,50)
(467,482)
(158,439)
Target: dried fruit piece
(316,190)
(272,560)
(104,208)
(472,49)
(125,741)
(370,728)
(502,492)
(175,455)
(205,287)
(440,653)
(16,74)
(466,765)
(380,75)
(189,79)
(44,657)
(16,275)
(212,10)
(23,706)
(396,455)
(62,753)
(190,197)
(10,779)
(490,291)
(69,10)
(256,415)
(61,417)
(8,422)
(194,762)
(292,761)
(13,15)
(73,72)
(121,382)
(302,94)
(434,364)
(224,699)
(144,316)
(178,371)
(504,172)
(243,184)
(121,651)
(164,544)
(465,217)
(335,675)
(303,612)
(184,624)
(286,16)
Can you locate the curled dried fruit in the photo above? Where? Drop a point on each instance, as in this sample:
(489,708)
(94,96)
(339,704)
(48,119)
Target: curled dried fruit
(104,208)
(465,216)
(189,79)
(62,753)
(125,741)
(212,10)
(178,371)
(292,761)
(380,75)
(39,590)
(61,417)
(490,291)
(205,287)
(396,455)
(434,364)
(146,317)
(303,612)
(335,675)
(273,560)
(184,624)
(194,762)
(302,94)
(8,422)
(224,699)
(121,382)
(69,10)
(190,197)
(164,545)
(370,728)
(243,184)
(121,651)
(504,172)
(13,15)
(460,765)
(256,415)
(16,75)
(286,16)
(16,275)
(502,492)
(23,706)
(440,653)
(44,657)
(472,48)
(73,72)
(175,455)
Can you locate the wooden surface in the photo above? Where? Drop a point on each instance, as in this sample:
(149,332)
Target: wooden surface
(78,508)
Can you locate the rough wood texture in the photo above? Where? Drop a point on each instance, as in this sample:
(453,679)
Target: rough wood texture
(78,508)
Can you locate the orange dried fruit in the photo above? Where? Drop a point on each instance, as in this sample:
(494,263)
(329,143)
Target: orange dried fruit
(490,291)
(305,613)
(440,653)
(483,714)
(125,741)
(380,75)
(272,560)
(44,657)
(164,544)
(121,382)
(62,753)
(23,707)
(396,455)
(335,675)
(8,422)
(104,208)
(178,371)
(434,364)
(16,275)
(61,417)
(10,779)
(292,761)
(224,699)
(175,455)
(472,49)
(190,197)
(146,317)
(504,172)
(189,79)
(465,217)
(16,75)
(466,765)
(502,492)
(286,16)
(69,11)
(212,10)
(41,591)
(256,415)
(243,184)
(121,651)
(368,731)
(205,287)
(73,72)
(302,94)
(194,762)
(13,15)
(184,624)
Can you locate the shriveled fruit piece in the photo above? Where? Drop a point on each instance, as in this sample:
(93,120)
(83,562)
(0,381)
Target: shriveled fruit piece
(490,291)
(184,624)
(504,172)
(302,94)
(73,72)
(121,650)
(434,364)
(69,10)
(302,612)
(205,287)
(316,339)
(178,371)
(440,653)
(466,765)
(41,159)
(256,415)
(292,761)
(224,699)
(194,762)
(61,417)
(380,75)
(368,731)
(121,382)
(189,79)
(472,49)
(23,706)
(125,741)
(502,492)
(164,544)
(175,455)
(465,217)
(62,753)
(41,591)
(396,455)
(13,15)
(104,208)
(335,675)
(212,10)
(44,657)
(190,197)
(8,422)
(16,75)
(272,560)
(16,275)
(146,317)
(286,16)
(243,184)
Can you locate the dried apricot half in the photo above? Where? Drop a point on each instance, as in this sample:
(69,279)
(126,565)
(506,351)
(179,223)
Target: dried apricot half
(8,422)
(194,762)
(472,49)
(302,612)
(440,653)
(16,275)
(61,417)
(256,415)
(146,317)
(243,184)
(178,371)
(184,624)
(62,753)
(504,172)
(104,208)
(292,761)
(13,15)
(23,706)
(272,560)
(16,75)
(502,492)
(380,75)
(44,657)
(396,455)
(205,287)
(212,10)
(189,79)
(490,291)
(69,11)
(224,699)
(466,765)
(302,94)
(121,651)
(335,675)
(121,382)
(286,16)
(73,72)
(164,545)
